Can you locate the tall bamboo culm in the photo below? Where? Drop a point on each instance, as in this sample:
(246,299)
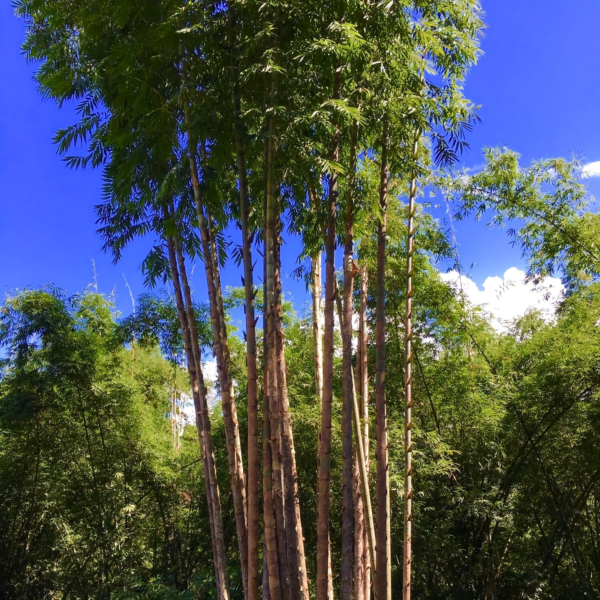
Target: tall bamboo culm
(383,565)
(202,421)
(324,578)
(362,561)
(221,346)
(362,469)
(408,489)
(271,422)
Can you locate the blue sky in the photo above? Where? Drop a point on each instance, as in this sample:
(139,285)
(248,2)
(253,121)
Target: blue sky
(538,84)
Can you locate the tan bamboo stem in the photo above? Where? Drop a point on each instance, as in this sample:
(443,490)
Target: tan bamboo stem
(204,434)
(361,547)
(265,574)
(350,271)
(275,402)
(364,397)
(221,350)
(248,283)
(317,330)
(271,427)
(209,446)
(296,561)
(364,476)
(324,466)
(408,378)
(383,565)
(317,288)
(251,364)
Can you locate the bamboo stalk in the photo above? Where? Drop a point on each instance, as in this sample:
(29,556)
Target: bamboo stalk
(408,489)
(362,561)
(364,397)
(324,583)
(317,332)
(221,349)
(383,550)
(348,391)
(251,364)
(364,477)
(296,560)
(204,434)
(272,512)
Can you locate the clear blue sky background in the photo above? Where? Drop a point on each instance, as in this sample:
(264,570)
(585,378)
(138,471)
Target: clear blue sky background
(538,85)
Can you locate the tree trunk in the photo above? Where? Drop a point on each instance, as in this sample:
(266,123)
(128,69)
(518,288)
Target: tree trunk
(360,456)
(211,481)
(318,356)
(202,423)
(361,549)
(317,289)
(216,268)
(364,405)
(324,468)
(348,383)
(273,372)
(221,351)
(383,567)
(317,329)
(266,595)
(296,560)
(318,359)
(359,529)
(251,366)
(248,282)
(408,491)
(272,492)
(270,535)
(329,572)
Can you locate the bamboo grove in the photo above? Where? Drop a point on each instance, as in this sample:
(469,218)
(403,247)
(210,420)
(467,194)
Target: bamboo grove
(255,121)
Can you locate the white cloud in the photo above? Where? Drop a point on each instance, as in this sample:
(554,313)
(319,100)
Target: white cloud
(591,169)
(209,370)
(509,297)
(188,409)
